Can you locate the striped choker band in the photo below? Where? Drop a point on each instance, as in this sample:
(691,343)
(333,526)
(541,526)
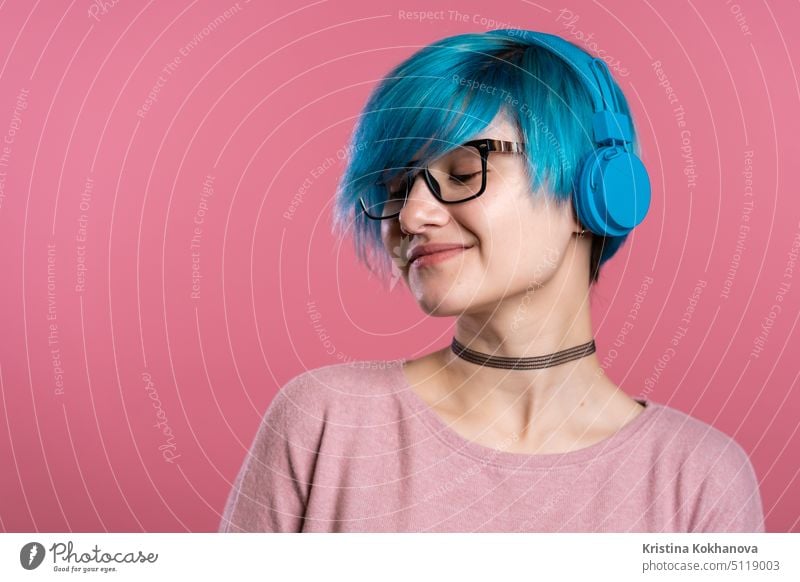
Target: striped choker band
(531,363)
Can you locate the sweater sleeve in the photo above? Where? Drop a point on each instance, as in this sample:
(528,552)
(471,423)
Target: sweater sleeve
(729,498)
(271,490)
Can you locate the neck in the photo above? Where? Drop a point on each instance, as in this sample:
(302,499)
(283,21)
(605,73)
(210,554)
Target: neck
(526,327)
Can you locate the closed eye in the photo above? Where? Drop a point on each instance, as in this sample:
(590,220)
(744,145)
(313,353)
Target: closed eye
(461,178)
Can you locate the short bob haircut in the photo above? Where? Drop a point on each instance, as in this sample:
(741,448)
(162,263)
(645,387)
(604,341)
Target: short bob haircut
(448,92)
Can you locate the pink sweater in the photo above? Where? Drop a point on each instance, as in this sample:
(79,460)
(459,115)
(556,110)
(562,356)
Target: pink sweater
(352,448)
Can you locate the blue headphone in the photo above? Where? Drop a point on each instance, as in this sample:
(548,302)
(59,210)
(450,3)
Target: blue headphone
(612,193)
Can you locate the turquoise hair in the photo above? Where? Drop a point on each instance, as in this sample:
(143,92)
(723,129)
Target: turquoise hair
(448,92)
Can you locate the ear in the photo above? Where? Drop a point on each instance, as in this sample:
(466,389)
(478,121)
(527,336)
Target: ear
(575,224)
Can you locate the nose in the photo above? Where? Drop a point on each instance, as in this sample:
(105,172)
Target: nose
(422,208)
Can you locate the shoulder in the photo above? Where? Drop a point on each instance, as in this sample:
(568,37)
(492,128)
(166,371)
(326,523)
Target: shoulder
(335,392)
(696,439)
(709,461)
(355,378)
(711,467)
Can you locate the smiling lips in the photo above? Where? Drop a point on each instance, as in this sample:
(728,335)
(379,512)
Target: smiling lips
(431,254)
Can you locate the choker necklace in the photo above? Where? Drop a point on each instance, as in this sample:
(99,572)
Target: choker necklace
(531,363)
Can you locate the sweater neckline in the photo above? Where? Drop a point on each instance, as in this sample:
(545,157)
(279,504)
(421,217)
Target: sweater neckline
(499,457)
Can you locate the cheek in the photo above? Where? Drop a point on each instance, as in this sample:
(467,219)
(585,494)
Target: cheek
(390,234)
(524,240)
(390,240)
(387,235)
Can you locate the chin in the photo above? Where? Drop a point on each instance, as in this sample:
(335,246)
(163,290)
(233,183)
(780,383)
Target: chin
(442,310)
(442,305)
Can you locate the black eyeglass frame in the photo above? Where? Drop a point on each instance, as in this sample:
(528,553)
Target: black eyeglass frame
(484,146)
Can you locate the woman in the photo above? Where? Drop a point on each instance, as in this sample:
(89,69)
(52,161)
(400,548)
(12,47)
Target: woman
(495,173)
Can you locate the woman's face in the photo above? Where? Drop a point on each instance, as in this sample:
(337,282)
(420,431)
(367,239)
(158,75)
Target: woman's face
(510,243)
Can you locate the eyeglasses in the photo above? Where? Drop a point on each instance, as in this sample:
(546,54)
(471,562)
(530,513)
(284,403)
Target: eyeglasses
(460,176)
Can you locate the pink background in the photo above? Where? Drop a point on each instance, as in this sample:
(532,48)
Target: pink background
(258,102)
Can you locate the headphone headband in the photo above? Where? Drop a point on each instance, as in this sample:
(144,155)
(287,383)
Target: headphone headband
(611,192)
(609,123)
(601,92)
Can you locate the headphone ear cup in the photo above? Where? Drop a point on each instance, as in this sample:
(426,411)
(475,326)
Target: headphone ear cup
(612,195)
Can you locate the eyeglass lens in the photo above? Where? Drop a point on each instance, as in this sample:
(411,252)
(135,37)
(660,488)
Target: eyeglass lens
(457,175)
